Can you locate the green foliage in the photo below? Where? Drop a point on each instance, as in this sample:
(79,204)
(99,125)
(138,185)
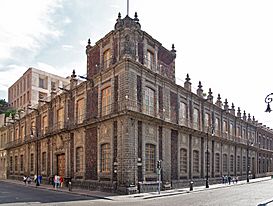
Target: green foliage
(6,109)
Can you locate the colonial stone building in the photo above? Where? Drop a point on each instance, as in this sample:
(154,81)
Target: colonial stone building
(109,131)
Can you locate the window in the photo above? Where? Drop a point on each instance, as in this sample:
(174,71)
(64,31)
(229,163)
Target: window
(150,60)
(60,118)
(42,83)
(105,158)
(238,163)
(21,163)
(195,161)
(32,162)
(238,131)
(225,163)
(80,111)
(231,163)
(244,163)
(196,118)
(182,113)
(79,159)
(207,120)
(106,101)
(16,163)
(10,164)
(22,132)
(217,162)
(149,101)
(225,127)
(44,161)
(44,124)
(183,161)
(217,125)
(150,158)
(231,129)
(106,58)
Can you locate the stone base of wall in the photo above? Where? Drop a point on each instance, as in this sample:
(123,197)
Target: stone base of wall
(95,185)
(148,187)
(176,184)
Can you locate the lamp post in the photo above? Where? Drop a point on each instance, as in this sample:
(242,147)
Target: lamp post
(268,100)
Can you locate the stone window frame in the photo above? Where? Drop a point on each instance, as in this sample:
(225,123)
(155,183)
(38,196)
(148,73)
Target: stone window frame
(106,100)
(105,158)
(16,163)
(32,162)
(183,161)
(11,164)
(231,163)
(106,58)
(60,117)
(150,158)
(225,163)
(150,60)
(196,118)
(44,161)
(80,110)
(149,104)
(182,113)
(244,163)
(217,162)
(195,161)
(238,163)
(21,163)
(79,159)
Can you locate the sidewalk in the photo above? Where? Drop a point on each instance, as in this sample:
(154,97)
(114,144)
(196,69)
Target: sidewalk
(150,195)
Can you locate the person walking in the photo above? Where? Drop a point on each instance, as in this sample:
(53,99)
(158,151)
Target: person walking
(61,181)
(25,179)
(229,179)
(55,181)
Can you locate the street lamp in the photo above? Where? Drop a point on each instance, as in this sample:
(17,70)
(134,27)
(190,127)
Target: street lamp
(37,155)
(268,100)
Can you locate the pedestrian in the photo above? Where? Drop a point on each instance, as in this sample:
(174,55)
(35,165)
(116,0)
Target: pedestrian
(35,179)
(25,179)
(55,181)
(28,180)
(229,179)
(58,181)
(61,181)
(223,179)
(236,179)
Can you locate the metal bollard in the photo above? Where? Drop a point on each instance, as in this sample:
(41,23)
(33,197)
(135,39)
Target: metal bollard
(191,185)
(69,186)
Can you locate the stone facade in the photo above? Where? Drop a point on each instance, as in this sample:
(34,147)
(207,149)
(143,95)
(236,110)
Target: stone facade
(108,132)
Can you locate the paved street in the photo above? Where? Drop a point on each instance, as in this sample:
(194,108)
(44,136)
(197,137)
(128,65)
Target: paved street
(18,193)
(258,193)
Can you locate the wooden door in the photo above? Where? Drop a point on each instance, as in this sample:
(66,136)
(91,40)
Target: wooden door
(61,165)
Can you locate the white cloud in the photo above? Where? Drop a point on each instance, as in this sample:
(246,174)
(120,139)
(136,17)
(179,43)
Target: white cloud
(67,46)
(67,20)
(26,25)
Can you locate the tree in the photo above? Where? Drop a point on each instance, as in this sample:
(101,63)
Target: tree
(6,109)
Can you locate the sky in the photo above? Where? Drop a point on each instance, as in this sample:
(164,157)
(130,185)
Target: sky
(227,45)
